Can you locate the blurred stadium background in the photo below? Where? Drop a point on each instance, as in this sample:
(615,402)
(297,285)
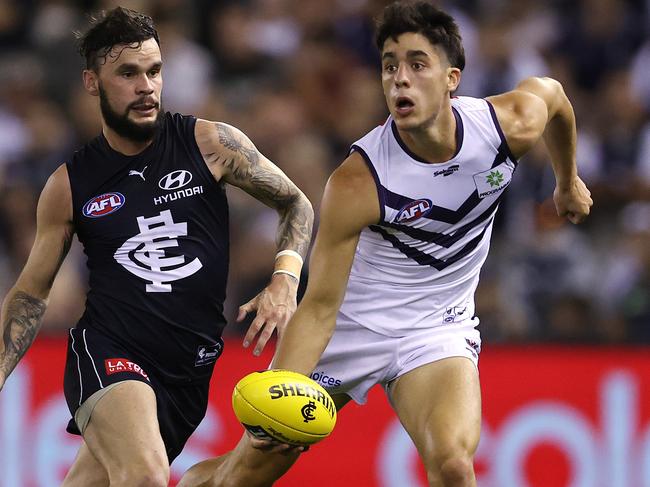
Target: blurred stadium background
(565,310)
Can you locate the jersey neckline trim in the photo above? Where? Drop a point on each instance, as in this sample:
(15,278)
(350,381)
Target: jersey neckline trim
(460,133)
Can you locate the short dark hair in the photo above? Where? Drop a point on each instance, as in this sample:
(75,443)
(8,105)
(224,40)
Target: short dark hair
(422,17)
(118,26)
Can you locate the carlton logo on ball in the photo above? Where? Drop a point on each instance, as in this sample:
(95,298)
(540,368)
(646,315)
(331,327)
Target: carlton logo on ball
(308,411)
(284,406)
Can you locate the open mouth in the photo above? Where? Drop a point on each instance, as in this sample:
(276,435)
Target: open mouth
(404,105)
(145,107)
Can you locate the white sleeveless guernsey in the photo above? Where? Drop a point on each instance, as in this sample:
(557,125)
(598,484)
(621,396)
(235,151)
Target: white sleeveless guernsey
(418,267)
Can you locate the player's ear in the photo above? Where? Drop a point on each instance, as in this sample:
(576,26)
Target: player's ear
(453,79)
(91,81)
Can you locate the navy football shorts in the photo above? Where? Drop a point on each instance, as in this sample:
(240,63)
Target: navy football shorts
(95,361)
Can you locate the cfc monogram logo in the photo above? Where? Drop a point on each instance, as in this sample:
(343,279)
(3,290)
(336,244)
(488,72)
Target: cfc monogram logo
(144,254)
(307,411)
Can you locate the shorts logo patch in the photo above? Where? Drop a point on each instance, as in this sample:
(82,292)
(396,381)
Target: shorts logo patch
(454,312)
(116,365)
(474,345)
(325,380)
(208,354)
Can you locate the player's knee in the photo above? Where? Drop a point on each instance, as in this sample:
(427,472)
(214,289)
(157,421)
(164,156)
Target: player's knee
(457,470)
(449,464)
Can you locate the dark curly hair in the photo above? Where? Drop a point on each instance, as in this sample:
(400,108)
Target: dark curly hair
(117,26)
(422,17)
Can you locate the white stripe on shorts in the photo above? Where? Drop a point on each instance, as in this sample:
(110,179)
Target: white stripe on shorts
(81,383)
(92,361)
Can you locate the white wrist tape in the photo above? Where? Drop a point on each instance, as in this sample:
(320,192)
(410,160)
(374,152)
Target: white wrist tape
(292,253)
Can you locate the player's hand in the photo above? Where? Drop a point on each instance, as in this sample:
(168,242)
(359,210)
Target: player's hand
(272,446)
(573,201)
(274,305)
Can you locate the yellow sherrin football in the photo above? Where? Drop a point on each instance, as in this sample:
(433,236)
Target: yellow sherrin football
(284,406)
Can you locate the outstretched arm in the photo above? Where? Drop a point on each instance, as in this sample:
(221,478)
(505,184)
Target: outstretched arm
(350,203)
(24,305)
(539,107)
(232,157)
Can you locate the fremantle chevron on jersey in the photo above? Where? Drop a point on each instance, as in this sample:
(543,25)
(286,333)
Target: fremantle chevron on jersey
(424,255)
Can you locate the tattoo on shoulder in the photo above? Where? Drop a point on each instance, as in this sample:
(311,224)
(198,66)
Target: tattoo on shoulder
(23,320)
(241,157)
(228,137)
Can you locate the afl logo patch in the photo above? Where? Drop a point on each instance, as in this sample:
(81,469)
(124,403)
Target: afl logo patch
(103,205)
(414,210)
(175,180)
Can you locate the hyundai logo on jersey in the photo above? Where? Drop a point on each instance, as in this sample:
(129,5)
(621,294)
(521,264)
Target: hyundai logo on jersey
(414,210)
(175,180)
(103,205)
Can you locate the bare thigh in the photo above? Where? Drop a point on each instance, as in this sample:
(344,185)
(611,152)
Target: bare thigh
(439,405)
(86,471)
(123,434)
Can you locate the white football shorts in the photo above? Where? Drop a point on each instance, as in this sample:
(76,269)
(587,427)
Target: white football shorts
(357,358)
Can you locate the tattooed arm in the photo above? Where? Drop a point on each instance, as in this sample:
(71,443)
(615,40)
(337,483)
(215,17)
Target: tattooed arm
(232,158)
(24,305)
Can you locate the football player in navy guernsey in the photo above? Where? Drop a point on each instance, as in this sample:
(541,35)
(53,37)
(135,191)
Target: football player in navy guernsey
(404,229)
(147,201)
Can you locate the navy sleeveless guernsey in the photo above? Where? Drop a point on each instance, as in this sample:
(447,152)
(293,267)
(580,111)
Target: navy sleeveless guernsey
(155,229)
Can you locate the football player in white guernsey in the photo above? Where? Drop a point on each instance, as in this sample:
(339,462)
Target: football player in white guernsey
(404,229)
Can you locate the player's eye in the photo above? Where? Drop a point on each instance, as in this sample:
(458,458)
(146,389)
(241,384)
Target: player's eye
(417,66)
(390,68)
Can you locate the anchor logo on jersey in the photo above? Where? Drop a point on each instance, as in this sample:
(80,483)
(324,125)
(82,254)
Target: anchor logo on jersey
(144,254)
